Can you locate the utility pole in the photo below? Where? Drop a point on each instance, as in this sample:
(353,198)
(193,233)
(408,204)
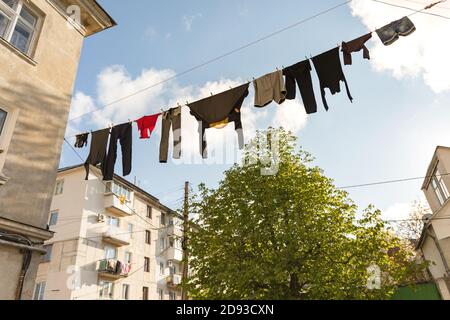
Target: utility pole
(184,295)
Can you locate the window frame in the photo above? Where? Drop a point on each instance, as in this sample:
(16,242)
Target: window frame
(130,229)
(438,186)
(13,14)
(149,211)
(52,214)
(107,248)
(145,292)
(146,264)
(6,134)
(59,186)
(39,291)
(5,121)
(110,288)
(148,237)
(126,291)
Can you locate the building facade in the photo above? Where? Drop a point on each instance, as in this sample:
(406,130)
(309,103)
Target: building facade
(40,46)
(434,244)
(112,241)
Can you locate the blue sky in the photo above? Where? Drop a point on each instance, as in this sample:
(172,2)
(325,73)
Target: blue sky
(400,113)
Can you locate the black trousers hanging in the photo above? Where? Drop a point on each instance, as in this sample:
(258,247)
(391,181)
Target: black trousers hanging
(124,133)
(97,154)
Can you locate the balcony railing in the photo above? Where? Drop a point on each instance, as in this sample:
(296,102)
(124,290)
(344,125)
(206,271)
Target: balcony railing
(114,269)
(116,236)
(174,231)
(172,254)
(173,280)
(121,207)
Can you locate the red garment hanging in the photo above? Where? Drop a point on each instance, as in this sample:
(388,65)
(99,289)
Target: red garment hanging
(146,125)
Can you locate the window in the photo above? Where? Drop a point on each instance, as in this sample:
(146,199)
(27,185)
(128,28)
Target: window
(172,295)
(3,115)
(130,230)
(59,187)
(48,256)
(118,190)
(162,219)
(145,293)
(146,264)
(161,294)
(172,269)
(148,237)
(161,268)
(112,221)
(53,218)
(128,257)
(106,290)
(18,24)
(439,187)
(162,244)
(110,253)
(39,291)
(126,292)
(149,212)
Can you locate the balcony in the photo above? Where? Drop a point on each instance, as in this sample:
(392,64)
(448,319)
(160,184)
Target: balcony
(113,269)
(116,236)
(173,281)
(172,254)
(116,206)
(175,231)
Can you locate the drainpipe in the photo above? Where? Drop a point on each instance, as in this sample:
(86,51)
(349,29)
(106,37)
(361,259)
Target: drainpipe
(27,255)
(25,265)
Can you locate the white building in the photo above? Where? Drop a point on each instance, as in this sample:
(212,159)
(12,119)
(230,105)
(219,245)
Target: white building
(434,244)
(112,241)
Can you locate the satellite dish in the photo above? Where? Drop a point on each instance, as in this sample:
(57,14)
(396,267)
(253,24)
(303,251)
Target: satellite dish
(426,218)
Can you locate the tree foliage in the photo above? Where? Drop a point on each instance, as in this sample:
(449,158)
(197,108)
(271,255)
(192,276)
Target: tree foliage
(292,235)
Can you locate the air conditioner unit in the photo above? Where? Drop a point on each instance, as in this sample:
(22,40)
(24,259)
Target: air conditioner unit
(101,218)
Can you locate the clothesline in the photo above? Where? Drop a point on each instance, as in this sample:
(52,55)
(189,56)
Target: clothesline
(431,5)
(217,111)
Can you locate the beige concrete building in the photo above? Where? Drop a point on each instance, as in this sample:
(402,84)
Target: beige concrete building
(434,245)
(40,45)
(99,226)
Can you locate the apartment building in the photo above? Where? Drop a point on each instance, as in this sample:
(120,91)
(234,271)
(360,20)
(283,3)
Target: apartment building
(40,46)
(434,244)
(112,241)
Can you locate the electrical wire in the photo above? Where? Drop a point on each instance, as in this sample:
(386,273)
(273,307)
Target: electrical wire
(390,182)
(422,11)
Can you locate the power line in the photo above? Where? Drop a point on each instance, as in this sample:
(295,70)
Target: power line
(390,182)
(424,3)
(245,46)
(422,11)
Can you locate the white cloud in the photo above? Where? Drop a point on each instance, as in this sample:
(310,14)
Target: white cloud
(188,20)
(291,115)
(422,54)
(398,211)
(151,33)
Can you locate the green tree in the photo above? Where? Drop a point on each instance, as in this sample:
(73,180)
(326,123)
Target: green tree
(291,235)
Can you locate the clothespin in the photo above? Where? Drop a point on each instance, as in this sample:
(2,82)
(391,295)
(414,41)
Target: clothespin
(277,68)
(211,94)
